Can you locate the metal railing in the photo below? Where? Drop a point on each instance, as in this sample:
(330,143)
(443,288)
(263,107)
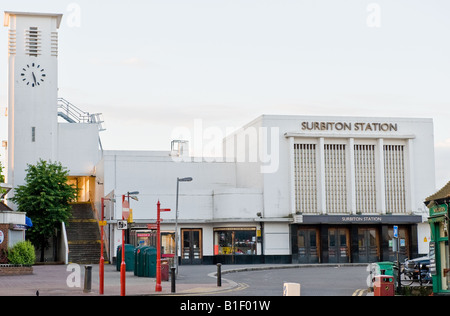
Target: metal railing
(73,114)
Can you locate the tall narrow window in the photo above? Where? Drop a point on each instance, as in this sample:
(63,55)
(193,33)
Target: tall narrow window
(305,178)
(365,187)
(33,134)
(394,177)
(335,179)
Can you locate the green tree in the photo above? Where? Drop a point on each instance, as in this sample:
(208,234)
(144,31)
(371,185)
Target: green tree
(45,197)
(2,177)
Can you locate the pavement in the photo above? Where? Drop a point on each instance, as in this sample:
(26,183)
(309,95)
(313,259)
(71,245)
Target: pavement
(69,280)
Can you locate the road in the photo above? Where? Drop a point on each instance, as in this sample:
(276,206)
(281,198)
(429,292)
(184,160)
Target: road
(315,281)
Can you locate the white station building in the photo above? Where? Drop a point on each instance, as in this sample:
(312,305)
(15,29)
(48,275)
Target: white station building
(300,189)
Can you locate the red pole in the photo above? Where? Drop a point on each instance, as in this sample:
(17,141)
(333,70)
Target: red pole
(158,287)
(122,265)
(102,259)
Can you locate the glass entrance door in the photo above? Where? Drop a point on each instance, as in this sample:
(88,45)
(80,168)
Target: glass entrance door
(368,245)
(338,245)
(308,245)
(191,241)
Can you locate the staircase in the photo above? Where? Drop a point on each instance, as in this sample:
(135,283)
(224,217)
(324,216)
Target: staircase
(83,235)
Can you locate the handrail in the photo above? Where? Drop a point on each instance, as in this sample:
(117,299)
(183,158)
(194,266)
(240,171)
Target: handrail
(73,114)
(64,250)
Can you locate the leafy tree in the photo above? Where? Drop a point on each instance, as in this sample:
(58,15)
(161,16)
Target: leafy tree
(45,197)
(2,177)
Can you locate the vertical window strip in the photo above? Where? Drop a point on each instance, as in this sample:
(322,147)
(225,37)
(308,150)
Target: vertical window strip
(33,134)
(365,178)
(394,166)
(305,178)
(335,179)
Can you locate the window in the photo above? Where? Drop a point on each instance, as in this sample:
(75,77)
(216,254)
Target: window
(335,178)
(305,178)
(33,134)
(365,178)
(168,242)
(394,177)
(235,241)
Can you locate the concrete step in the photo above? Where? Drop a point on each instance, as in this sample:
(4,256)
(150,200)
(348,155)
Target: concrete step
(83,235)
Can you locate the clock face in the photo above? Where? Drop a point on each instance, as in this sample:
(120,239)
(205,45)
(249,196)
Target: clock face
(33,75)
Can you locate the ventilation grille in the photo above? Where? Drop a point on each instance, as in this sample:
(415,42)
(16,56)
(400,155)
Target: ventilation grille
(394,177)
(54,44)
(365,186)
(305,178)
(12,41)
(33,42)
(335,179)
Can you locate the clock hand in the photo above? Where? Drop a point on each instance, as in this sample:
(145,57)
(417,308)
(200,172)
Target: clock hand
(34,77)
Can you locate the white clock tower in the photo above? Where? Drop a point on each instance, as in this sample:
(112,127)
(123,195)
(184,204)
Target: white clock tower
(32,91)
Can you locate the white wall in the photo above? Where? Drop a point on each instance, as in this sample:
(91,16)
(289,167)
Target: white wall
(277,239)
(238,203)
(31,106)
(78,148)
(154,175)
(8,217)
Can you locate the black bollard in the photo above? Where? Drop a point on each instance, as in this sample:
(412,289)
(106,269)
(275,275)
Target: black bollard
(87,279)
(173,280)
(219,274)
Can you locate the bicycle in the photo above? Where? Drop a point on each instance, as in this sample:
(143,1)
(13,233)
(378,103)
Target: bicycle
(412,272)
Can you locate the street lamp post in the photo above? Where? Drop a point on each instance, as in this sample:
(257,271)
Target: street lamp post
(188,179)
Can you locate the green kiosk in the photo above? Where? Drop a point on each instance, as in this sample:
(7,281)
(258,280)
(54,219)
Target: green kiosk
(438,205)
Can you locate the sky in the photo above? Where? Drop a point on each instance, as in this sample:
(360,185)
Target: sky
(152,66)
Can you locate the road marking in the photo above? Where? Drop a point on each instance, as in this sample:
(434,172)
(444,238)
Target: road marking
(358,292)
(198,291)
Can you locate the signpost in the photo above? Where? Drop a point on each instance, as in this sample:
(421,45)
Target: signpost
(396,248)
(158,287)
(122,225)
